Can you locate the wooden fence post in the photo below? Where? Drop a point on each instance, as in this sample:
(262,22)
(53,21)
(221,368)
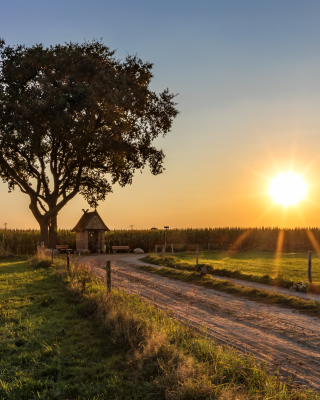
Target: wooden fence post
(309,267)
(163,251)
(197,256)
(203,271)
(108,270)
(172,248)
(68,261)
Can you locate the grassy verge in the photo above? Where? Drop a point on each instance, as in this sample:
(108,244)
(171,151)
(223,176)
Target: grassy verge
(64,337)
(308,307)
(258,267)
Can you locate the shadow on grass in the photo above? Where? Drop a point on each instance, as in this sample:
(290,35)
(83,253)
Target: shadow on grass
(50,342)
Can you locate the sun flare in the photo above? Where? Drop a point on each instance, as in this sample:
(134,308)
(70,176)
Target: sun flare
(288,189)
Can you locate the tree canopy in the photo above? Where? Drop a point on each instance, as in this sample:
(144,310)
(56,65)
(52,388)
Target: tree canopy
(75,119)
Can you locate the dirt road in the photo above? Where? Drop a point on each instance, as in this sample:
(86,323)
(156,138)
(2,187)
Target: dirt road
(280,337)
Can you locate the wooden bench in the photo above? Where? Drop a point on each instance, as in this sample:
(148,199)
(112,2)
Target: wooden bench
(115,248)
(62,247)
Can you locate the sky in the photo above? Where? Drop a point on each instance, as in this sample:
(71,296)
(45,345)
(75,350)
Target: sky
(248,83)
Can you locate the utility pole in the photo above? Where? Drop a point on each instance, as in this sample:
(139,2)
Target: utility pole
(131,226)
(5,226)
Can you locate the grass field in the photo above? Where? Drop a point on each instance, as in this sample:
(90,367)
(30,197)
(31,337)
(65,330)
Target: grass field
(264,267)
(63,337)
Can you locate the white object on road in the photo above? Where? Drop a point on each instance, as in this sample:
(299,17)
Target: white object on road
(138,251)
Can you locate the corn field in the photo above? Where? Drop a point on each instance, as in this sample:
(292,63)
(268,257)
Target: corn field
(18,241)
(262,239)
(15,241)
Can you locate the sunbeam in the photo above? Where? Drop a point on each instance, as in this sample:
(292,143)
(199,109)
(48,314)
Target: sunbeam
(275,271)
(234,247)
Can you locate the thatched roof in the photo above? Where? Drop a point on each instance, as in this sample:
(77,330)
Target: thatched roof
(90,220)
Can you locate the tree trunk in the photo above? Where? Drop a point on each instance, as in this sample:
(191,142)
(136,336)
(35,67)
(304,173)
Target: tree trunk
(53,228)
(44,237)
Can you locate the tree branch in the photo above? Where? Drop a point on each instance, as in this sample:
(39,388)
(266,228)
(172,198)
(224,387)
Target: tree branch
(71,195)
(53,169)
(21,188)
(33,170)
(43,177)
(41,205)
(13,175)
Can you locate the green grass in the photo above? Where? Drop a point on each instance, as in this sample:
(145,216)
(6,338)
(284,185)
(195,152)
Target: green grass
(63,337)
(262,267)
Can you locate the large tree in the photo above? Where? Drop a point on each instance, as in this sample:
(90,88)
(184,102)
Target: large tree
(75,119)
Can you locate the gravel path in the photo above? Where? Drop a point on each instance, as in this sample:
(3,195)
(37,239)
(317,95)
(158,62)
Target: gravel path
(283,338)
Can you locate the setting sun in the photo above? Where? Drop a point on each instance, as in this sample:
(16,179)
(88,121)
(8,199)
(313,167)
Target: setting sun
(287,189)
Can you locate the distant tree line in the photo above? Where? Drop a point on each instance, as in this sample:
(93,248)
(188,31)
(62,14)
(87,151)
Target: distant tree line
(234,239)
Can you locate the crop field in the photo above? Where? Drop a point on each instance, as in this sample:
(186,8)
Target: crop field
(270,268)
(18,241)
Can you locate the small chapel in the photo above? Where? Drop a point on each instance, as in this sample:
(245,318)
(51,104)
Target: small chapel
(90,233)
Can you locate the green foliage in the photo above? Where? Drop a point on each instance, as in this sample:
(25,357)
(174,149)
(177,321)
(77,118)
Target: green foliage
(233,239)
(88,345)
(268,268)
(19,241)
(264,239)
(40,262)
(260,239)
(76,119)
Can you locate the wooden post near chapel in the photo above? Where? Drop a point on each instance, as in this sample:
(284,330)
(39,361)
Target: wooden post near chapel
(309,267)
(108,271)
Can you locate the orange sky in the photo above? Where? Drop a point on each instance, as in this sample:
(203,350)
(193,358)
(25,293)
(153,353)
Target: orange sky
(247,74)
(203,186)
